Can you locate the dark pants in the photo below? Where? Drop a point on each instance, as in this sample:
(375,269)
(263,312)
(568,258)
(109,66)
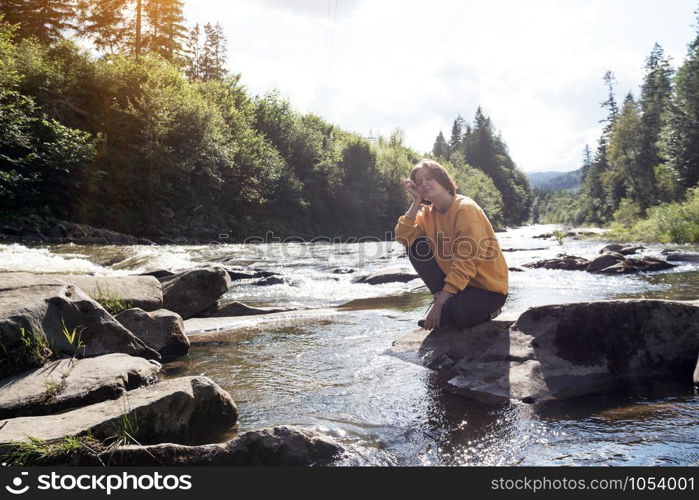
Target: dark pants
(470,306)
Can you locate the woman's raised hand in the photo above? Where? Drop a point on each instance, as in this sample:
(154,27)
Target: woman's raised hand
(411,188)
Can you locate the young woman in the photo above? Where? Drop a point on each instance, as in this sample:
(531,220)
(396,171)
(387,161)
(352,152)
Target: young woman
(453,248)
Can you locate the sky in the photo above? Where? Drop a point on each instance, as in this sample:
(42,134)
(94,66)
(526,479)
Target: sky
(371,66)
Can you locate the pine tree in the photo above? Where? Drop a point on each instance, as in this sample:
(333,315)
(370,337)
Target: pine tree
(456,139)
(166,28)
(440,148)
(626,177)
(12,10)
(656,93)
(193,53)
(213,58)
(683,123)
(104,21)
(597,205)
(47,20)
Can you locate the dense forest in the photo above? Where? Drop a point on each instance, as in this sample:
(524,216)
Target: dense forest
(642,177)
(147,133)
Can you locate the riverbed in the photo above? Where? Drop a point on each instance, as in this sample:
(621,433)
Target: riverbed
(325,366)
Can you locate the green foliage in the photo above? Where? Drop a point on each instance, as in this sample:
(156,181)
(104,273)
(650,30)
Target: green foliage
(668,222)
(31,351)
(36,451)
(628,213)
(110,301)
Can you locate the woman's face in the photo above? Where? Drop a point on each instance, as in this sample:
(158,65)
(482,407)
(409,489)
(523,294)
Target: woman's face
(427,185)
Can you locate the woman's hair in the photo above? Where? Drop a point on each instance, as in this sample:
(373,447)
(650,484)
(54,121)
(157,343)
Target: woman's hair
(438,172)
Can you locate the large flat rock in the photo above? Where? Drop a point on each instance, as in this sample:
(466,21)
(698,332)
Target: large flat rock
(278,446)
(182,410)
(43,312)
(138,291)
(564,350)
(70,383)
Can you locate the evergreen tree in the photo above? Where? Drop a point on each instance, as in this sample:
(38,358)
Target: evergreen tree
(626,177)
(488,153)
(166,28)
(440,148)
(193,53)
(597,206)
(213,54)
(46,20)
(12,10)
(683,124)
(104,22)
(656,93)
(456,139)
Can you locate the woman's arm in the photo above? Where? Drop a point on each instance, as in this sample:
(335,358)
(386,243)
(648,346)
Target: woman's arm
(410,225)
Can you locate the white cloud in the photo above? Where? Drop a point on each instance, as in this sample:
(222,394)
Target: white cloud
(535,66)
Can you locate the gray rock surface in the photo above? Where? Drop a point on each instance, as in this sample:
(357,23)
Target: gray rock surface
(621,249)
(278,446)
(566,350)
(69,383)
(161,330)
(185,410)
(139,291)
(566,262)
(388,275)
(44,309)
(219,310)
(190,292)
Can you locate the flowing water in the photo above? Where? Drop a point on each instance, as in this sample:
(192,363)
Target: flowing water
(328,371)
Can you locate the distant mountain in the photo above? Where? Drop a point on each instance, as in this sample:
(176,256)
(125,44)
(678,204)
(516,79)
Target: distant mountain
(556,181)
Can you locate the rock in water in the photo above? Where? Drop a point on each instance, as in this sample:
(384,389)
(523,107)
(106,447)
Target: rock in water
(44,314)
(219,310)
(278,446)
(180,410)
(161,330)
(191,292)
(389,275)
(566,262)
(69,383)
(567,350)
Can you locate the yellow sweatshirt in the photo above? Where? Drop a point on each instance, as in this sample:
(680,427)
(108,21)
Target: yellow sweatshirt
(462,242)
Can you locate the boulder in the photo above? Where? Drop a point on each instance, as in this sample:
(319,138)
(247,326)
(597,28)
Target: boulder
(567,350)
(190,292)
(271,280)
(515,269)
(219,310)
(244,274)
(681,257)
(158,274)
(647,264)
(566,262)
(36,318)
(278,446)
(604,261)
(621,249)
(69,383)
(388,275)
(161,330)
(187,410)
(137,291)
